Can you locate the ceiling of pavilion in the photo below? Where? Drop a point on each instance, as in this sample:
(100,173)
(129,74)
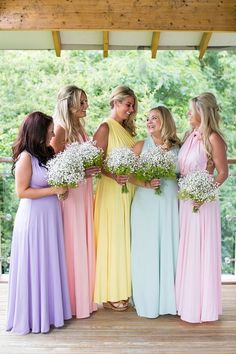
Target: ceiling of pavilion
(112,25)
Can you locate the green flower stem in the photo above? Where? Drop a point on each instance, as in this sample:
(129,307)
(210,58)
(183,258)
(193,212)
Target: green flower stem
(124,188)
(158,190)
(195,209)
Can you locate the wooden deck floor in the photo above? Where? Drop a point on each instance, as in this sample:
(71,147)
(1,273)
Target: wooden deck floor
(111,332)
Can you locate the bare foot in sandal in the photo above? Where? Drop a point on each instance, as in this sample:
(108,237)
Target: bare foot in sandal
(121,305)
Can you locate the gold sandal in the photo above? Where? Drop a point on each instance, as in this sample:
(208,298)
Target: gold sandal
(121,305)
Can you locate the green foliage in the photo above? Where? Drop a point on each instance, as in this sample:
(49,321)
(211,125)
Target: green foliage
(8,206)
(30,80)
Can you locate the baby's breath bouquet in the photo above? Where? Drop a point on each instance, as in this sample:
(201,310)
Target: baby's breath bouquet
(66,168)
(121,161)
(90,154)
(197,186)
(157,163)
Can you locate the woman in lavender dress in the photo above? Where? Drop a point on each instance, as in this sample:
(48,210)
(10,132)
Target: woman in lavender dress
(38,290)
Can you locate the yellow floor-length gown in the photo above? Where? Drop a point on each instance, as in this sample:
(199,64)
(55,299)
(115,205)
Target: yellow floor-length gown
(112,228)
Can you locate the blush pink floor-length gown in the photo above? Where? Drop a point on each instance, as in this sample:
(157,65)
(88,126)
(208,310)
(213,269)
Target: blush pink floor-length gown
(198,278)
(80,248)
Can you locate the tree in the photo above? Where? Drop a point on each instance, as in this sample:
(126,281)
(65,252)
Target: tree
(30,80)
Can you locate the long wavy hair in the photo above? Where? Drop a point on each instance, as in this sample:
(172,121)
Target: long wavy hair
(119,94)
(206,106)
(168,127)
(32,137)
(69,98)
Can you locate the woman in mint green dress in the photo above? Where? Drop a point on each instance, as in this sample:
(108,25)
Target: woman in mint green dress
(155,227)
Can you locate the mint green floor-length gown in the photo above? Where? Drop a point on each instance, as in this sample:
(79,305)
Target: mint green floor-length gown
(154,247)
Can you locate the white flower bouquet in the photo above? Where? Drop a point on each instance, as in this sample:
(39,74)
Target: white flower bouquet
(156,163)
(66,169)
(121,162)
(90,154)
(197,186)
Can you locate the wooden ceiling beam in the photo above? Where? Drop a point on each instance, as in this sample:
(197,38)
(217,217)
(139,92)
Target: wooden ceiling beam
(204,43)
(105,43)
(57,42)
(108,15)
(155,43)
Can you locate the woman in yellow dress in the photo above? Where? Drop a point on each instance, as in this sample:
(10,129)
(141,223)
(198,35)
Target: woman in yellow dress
(112,208)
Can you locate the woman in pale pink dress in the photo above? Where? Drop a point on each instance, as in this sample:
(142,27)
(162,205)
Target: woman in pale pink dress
(78,205)
(198,279)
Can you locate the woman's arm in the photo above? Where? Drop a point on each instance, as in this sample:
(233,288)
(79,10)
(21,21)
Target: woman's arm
(58,142)
(137,149)
(154,183)
(23,174)
(219,157)
(220,161)
(101,136)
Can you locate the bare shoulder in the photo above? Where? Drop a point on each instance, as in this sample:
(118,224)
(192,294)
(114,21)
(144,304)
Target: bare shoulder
(24,161)
(138,147)
(59,130)
(101,136)
(24,157)
(216,140)
(103,128)
(58,141)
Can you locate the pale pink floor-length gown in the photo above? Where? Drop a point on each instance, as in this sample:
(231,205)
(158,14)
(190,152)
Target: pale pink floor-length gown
(198,278)
(79,248)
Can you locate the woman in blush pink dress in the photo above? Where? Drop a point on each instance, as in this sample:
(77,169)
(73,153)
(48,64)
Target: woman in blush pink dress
(78,206)
(198,279)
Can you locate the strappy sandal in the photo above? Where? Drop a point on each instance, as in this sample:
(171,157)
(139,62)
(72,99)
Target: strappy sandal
(117,305)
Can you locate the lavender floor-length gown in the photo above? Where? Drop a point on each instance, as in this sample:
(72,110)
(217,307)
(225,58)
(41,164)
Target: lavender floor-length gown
(38,290)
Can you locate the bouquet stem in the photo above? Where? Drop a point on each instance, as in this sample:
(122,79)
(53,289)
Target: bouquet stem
(195,209)
(61,196)
(98,175)
(124,188)
(158,190)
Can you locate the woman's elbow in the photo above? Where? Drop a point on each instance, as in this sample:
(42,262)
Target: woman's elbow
(223,175)
(226,174)
(20,193)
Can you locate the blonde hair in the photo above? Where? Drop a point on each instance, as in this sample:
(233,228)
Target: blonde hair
(119,94)
(206,106)
(68,98)
(168,127)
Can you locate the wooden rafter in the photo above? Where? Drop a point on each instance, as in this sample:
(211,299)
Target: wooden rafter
(57,42)
(105,43)
(155,43)
(204,43)
(108,15)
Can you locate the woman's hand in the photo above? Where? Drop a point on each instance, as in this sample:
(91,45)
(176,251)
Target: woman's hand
(62,192)
(59,190)
(154,183)
(197,205)
(63,196)
(123,179)
(91,171)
